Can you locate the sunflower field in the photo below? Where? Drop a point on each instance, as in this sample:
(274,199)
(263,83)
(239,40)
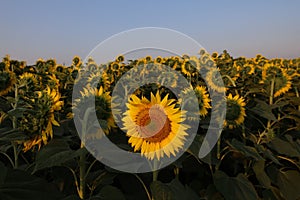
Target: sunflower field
(44,156)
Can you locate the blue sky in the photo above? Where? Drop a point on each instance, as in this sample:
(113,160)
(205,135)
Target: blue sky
(61,29)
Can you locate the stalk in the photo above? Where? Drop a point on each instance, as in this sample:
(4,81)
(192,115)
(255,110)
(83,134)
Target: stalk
(82,171)
(297,95)
(155,171)
(271,100)
(14,124)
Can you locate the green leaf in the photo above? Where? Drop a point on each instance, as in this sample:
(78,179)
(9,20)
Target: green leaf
(272,193)
(56,153)
(109,192)
(287,181)
(72,197)
(17,112)
(234,187)
(172,191)
(283,147)
(160,191)
(12,135)
(194,149)
(263,109)
(17,184)
(246,150)
(262,177)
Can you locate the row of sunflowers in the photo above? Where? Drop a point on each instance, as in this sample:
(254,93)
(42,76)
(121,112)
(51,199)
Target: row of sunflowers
(257,155)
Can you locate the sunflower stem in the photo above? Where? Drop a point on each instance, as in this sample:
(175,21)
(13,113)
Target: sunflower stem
(297,95)
(14,124)
(219,148)
(82,171)
(16,163)
(271,100)
(155,171)
(176,172)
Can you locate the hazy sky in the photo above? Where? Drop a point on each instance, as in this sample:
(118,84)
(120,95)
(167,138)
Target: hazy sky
(63,28)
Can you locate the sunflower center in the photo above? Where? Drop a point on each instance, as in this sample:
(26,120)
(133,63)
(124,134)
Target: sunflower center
(154,125)
(233,111)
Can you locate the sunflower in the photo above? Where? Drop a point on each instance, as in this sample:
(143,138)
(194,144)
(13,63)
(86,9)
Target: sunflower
(27,81)
(7,81)
(194,61)
(248,69)
(50,100)
(235,111)
(37,124)
(120,58)
(158,60)
(102,101)
(214,80)
(76,62)
(282,81)
(148,58)
(154,127)
(98,80)
(115,66)
(51,65)
(188,67)
(203,100)
(92,66)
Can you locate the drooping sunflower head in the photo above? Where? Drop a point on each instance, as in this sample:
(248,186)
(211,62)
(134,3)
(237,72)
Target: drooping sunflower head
(278,76)
(27,82)
(248,69)
(102,102)
(51,65)
(235,111)
(7,81)
(37,123)
(154,126)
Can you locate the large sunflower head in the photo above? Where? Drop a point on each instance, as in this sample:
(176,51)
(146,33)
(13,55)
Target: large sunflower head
(154,126)
(235,111)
